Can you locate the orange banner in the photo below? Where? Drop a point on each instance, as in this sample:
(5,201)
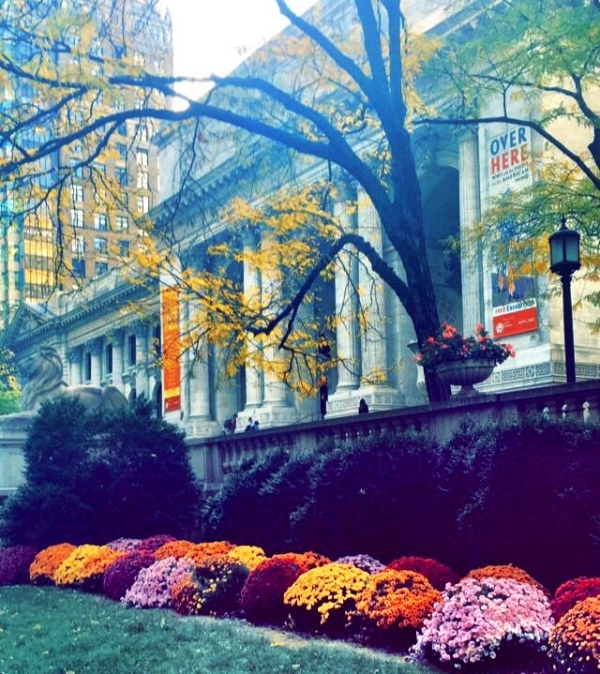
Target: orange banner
(171,348)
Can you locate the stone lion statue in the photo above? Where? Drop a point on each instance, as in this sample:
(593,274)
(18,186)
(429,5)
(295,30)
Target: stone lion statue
(42,375)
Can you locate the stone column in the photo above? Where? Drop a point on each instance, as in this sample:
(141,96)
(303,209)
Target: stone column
(346,304)
(254,392)
(141,360)
(117,357)
(372,297)
(75,357)
(473,308)
(95,349)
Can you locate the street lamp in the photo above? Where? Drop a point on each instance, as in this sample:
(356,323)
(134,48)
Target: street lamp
(564,261)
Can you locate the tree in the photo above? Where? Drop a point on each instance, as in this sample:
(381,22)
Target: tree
(536,65)
(9,387)
(345,93)
(92,479)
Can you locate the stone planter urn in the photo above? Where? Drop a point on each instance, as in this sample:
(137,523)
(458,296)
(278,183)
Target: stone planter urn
(465,373)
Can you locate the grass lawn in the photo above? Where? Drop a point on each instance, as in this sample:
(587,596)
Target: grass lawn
(55,631)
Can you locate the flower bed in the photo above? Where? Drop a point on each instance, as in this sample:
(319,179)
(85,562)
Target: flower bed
(496,617)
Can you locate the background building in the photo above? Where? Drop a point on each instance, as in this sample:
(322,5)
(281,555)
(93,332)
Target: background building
(84,213)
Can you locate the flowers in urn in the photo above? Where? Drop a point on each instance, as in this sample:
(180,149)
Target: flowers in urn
(449,346)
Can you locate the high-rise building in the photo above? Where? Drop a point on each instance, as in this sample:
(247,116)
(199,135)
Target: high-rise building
(81,208)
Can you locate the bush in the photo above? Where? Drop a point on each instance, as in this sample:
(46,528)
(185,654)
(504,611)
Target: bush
(47,561)
(478,622)
(213,589)
(575,641)
(392,607)
(84,568)
(364,562)
(239,511)
(261,600)
(175,549)
(438,574)
(506,571)
(123,572)
(202,551)
(370,496)
(249,555)
(531,491)
(321,598)
(153,586)
(90,478)
(14,564)
(569,593)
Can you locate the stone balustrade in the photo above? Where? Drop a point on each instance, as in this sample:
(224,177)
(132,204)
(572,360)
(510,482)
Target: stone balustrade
(212,458)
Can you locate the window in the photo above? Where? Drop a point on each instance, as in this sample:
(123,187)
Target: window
(88,367)
(99,167)
(142,180)
(122,151)
(79,267)
(78,244)
(108,359)
(100,221)
(77,217)
(122,176)
(138,58)
(124,249)
(143,133)
(77,193)
(121,223)
(131,349)
(100,268)
(143,203)
(100,245)
(76,169)
(142,157)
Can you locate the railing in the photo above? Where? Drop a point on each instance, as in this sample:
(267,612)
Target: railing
(212,458)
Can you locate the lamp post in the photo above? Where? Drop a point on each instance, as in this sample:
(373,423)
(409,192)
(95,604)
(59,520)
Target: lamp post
(564,261)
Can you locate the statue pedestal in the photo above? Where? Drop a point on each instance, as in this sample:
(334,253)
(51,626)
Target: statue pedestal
(13,435)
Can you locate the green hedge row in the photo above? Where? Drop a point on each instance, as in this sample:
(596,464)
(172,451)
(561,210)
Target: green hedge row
(526,493)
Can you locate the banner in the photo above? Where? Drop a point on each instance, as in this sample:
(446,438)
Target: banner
(515,318)
(508,159)
(171,349)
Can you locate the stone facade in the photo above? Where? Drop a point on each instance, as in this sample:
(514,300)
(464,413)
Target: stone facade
(102,341)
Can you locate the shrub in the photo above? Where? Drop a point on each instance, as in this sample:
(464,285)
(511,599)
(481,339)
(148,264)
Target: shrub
(153,585)
(201,551)
(575,641)
(239,511)
(506,571)
(569,593)
(90,478)
(213,589)
(321,598)
(153,543)
(124,544)
(437,574)
(362,494)
(14,564)
(532,497)
(249,555)
(122,573)
(364,562)
(261,600)
(392,607)
(84,568)
(173,549)
(47,561)
(491,619)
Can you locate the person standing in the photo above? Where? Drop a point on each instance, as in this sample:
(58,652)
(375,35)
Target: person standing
(363,408)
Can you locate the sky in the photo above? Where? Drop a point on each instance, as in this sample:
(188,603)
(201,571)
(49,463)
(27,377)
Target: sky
(210,35)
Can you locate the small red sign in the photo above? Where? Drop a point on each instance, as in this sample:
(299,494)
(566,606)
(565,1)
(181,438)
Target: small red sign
(514,319)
